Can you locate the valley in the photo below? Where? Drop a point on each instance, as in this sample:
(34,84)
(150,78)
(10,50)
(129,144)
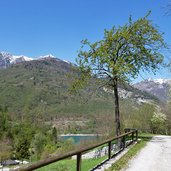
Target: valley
(35,96)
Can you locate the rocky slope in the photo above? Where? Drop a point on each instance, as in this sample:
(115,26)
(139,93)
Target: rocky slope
(157,87)
(6,59)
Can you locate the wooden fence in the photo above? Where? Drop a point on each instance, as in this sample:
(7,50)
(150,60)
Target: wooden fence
(132,132)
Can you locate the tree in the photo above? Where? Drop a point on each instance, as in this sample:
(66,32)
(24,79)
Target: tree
(38,143)
(22,148)
(3,121)
(54,135)
(120,55)
(158,123)
(5,151)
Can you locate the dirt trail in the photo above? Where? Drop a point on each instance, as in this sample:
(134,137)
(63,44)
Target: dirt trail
(156,156)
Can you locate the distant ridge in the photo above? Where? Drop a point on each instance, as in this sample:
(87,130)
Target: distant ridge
(157,87)
(41,86)
(7,59)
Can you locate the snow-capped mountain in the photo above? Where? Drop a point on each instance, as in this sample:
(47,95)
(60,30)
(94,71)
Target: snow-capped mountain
(160,80)
(6,59)
(157,87)
(46,56)
(52,56)
(21,58)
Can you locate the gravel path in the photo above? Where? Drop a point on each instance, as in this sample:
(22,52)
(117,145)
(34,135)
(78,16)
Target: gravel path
(156,156)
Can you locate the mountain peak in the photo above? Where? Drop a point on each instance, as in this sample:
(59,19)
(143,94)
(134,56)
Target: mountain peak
(20,58)
(47,56)
(159,80)
(6,53)
(6,59)
(158,87)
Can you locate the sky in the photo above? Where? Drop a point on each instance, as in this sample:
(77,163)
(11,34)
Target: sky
(39,27)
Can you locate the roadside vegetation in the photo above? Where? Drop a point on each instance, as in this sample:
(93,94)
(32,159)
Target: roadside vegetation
(41,140)
(70,165)
(133,151)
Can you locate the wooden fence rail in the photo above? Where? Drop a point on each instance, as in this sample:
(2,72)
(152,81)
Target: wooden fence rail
(133,133)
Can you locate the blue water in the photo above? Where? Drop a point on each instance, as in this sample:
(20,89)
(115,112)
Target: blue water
(77,139)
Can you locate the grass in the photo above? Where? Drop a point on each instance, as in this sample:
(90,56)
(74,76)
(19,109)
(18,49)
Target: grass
(146,135)
(123,161)
(70,165)
(87,164)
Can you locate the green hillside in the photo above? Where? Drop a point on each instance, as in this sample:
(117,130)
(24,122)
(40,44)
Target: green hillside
(41,87)
(38,91)
(36,106)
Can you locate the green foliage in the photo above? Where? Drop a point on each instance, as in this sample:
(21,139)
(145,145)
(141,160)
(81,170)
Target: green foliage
(54,135)
(3,121)
(123,161)
(38,89)
(5,150)
(158,123)
(121,55)
(70,165)
(49,148)
(22,139)
(124,51)
(138,117)
(22,148)
(39,142)
(66,146)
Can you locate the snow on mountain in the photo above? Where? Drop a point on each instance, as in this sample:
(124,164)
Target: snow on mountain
(157,87)
(46,56)
(21,58)
(51,56)
(160,80)
(6,54)
(6,59)
(67,61)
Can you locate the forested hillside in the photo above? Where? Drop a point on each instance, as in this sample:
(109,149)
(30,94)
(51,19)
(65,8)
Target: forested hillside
(41,88)
(35,96)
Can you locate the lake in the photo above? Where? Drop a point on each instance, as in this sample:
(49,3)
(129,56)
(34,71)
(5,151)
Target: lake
(78,138)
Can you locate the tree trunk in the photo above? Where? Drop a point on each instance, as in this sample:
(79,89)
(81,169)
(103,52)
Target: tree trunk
(117,114)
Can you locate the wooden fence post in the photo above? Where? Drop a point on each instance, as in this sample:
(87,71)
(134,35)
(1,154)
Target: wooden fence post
(79,162)
(109,150)
(136,135)
(132,136)
(123,141)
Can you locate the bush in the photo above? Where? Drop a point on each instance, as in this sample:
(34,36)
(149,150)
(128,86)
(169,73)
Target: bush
(158,123)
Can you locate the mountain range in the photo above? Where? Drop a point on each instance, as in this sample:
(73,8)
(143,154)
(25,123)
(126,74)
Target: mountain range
(7,59)
(157,87)
(40,86)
